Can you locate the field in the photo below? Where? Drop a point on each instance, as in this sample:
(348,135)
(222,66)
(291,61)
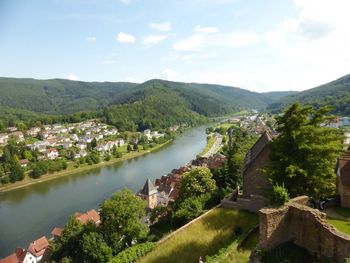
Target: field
(205,237)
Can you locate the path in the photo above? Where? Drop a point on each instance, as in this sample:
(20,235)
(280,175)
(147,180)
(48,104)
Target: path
(215,147)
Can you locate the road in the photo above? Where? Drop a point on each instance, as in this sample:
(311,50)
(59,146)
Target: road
(216,146)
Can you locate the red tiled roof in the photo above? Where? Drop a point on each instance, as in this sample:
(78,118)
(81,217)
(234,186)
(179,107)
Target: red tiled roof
(23,161)
(16,257)
(38,247)
(91,215)
(57,232)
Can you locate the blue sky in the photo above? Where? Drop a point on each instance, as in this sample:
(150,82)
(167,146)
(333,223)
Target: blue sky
(260,45)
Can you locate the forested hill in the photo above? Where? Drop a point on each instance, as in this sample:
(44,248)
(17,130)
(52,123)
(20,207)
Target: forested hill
(154,104)
(58,96)
(335,94)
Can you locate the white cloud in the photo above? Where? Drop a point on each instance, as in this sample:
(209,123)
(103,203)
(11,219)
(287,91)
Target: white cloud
(125,38)
(199,41)
(193,43)
(91,39)
(72,77)
(206,30)
(153,39)
(169,74)
(163,27)
(311,47)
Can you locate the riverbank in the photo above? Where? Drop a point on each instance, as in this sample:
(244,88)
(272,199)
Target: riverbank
(71,170)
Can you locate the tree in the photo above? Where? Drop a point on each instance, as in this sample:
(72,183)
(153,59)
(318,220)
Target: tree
(121,220)
(17,173)
(197,182)
(69,242)
(304,154)
(189,209)
(129,148)
(94,143)
(95,249)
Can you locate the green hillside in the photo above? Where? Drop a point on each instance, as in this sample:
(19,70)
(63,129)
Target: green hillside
(335,94)
(59,96)
(152,104)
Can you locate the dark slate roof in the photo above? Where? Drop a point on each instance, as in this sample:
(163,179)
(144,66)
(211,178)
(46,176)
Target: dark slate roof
(149,188)
(344,170)
(257,148)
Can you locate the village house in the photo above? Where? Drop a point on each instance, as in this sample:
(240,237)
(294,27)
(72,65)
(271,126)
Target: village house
(56,232)
(37,251)
(18,135)
(23,162)
(3,138)
(16,257)
(91,215)
(33,132)
(149,193)
(12,129)
(52,153)
(343,180)
(80,154)
(39,145)
(81,145)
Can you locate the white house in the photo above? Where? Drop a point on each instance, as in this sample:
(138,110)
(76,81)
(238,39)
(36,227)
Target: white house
(3,138)
(37,250)
(52,153)
(40,145)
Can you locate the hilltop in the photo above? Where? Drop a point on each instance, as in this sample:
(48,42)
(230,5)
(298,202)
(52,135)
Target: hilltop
(335,94)
(152,104)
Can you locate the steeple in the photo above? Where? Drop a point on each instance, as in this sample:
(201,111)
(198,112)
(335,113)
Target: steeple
(149,188)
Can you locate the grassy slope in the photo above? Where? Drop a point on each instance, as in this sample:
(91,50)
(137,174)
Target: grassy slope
(204,237)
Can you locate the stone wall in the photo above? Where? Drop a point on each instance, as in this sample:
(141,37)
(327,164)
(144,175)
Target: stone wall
(305,226)
(254,182)
(253,204)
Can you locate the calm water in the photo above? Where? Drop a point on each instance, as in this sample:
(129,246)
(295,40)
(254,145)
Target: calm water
(28,213)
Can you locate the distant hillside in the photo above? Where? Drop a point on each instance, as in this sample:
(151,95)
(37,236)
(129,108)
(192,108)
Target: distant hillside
(152,104)
(335,94)
(58,96)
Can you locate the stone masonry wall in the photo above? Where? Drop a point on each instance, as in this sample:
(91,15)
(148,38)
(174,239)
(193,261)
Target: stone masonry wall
(306,227)
(254,182)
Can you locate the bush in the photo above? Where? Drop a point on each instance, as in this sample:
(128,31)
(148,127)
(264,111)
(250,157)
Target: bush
(279,195)
(133,253)
(187,210)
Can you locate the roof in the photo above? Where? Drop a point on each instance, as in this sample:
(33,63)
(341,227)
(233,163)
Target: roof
(23,161)
(38,247)
(344,169)
(257,148)
(148,188)
(57,232)
(16,257)
(91,215)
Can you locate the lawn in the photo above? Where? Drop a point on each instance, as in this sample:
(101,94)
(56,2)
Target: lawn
(341,225)
(205,237)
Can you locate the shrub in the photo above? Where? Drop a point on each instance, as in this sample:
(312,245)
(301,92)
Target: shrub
(279,195)
(133,253)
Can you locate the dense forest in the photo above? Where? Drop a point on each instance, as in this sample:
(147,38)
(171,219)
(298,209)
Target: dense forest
(335,94)
(128,106)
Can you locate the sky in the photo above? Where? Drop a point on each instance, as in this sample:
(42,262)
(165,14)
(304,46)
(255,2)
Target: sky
(259,45)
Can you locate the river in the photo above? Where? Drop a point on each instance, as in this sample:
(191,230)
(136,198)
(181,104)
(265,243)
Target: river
(28,213)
